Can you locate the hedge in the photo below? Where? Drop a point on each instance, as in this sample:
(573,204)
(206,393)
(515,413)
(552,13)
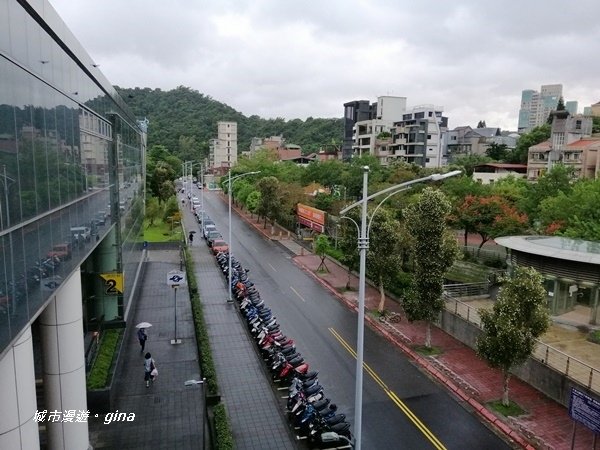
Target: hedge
(100,372)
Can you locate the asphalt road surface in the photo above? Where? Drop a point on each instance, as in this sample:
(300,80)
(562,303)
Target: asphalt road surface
(402,407)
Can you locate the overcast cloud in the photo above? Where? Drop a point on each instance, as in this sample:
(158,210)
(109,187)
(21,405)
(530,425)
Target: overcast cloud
(278,58)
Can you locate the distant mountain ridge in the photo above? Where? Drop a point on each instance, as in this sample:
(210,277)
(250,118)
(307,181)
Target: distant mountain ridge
(186,112)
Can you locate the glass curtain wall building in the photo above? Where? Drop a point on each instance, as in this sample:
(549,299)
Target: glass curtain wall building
(71,173)
(71,166)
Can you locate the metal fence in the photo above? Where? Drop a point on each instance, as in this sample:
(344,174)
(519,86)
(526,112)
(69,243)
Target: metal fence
(466,289)
(569,366)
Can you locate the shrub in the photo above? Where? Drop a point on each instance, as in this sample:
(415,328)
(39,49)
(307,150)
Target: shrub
(100,373)
(594,337)
(224,440)
(206,362)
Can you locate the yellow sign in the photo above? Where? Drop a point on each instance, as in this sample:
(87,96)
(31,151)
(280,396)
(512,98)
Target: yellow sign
(113,283)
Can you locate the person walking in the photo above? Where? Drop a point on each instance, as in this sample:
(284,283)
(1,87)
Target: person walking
(142,337)
(191,237)
(149,368)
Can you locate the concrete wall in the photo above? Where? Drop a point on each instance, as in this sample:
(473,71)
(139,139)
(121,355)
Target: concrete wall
(533,372)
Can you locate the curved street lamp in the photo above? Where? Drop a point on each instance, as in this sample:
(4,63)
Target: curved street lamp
(229,184)
(363,245)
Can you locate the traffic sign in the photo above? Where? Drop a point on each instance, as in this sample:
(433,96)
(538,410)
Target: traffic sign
(176,278)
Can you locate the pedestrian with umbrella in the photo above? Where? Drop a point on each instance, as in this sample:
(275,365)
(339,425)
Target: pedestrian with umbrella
(191,237)
(141,334)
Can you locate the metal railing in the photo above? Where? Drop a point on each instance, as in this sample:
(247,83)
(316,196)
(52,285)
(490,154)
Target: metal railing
(466,289)
(567,365)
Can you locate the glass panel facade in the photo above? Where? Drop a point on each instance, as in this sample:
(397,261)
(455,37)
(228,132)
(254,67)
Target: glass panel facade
(55,183)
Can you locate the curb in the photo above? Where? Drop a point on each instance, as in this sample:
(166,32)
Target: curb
(481,410)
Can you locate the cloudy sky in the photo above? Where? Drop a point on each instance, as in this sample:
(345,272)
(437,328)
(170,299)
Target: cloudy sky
(295,59)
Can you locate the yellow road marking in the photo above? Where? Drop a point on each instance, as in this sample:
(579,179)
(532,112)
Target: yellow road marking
(392,395)
(296,292)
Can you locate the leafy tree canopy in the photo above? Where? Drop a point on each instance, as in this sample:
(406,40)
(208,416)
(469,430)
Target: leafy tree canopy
(184,121)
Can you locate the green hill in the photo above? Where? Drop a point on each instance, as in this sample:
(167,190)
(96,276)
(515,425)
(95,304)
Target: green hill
(184,112)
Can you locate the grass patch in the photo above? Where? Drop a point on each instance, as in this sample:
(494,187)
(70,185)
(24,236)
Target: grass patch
(224,438)
(594,337)
(100,373)
(512,410)
(427,351)
(467,272)
(161,232)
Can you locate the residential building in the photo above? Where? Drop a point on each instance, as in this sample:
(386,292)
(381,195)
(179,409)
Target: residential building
(72,180)
(489,173)
(367,137)
(419,137)
(465,140)
(354,111)
(570,144)
(595,109)
(224,152)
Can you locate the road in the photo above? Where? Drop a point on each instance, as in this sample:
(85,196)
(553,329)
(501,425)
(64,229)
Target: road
(402,407)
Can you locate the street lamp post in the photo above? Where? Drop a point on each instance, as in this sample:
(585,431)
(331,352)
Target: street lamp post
(229,185)
(363,246)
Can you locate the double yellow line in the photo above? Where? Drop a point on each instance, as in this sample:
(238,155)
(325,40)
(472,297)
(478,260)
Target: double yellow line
(392,395)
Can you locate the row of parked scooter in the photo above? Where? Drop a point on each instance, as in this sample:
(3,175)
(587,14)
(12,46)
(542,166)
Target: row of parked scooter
(312,415)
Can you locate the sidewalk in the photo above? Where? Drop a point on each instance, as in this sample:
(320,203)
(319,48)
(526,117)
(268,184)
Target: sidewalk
(168,414)
(547,424)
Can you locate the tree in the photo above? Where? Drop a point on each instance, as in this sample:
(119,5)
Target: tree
(560,106)
(321,247)
(498,152)
(434,250)
(510,329)
(166,190)
(153,210)
(574,213)
(550,184)
(383,255)
(481,124)
(535,136)
(490,217)
(269,206)
(252,201)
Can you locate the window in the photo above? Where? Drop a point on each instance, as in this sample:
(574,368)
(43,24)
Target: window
(428,136)
(578,125)
(430,114)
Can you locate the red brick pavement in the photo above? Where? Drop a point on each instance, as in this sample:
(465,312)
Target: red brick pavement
(546,425)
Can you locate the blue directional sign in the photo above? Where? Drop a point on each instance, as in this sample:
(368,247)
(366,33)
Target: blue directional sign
(176,278)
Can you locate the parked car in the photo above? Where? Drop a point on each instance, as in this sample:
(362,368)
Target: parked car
(219,246)
(62,251)
(207,225)
(81,234)
(212,236)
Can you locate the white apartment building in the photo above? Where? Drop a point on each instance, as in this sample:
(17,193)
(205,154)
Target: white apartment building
(224,149)
(419,137)
(388,110)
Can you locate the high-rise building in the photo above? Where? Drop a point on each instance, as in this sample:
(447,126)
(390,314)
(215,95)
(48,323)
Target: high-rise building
(224,152)
(537,106)
(72,184)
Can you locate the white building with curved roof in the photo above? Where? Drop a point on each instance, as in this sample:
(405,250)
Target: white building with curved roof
(571,269)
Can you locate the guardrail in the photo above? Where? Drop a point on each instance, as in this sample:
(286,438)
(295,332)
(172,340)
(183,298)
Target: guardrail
(567,365)
(466,289)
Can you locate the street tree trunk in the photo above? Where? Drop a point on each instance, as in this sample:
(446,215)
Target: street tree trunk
(381,296)
(505,378)
(428,335)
